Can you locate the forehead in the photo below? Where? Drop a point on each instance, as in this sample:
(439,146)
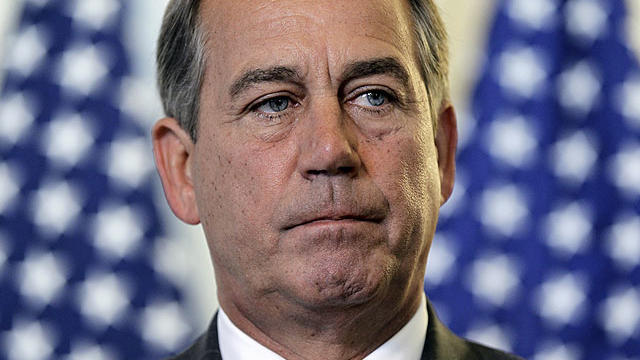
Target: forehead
(247,34)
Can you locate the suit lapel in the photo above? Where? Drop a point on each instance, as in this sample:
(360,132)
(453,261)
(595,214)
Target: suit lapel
(210,347)
(206,347)
(441,343)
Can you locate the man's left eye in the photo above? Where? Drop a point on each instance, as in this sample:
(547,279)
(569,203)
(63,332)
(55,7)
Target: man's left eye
(374,98)
(274,105)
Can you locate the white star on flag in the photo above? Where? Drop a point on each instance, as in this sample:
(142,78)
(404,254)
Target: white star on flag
(503,209)
(129,161)
(512,140)
(494,278)
(521,71)
(29,49)
(624,170)
(16,117)
(9,185)
(579,87)
(95,14)
(557,351)
(118,231)
(568,228)
(28,341)
(67,139)
(441,260)
(620,313)
(628,100)
(83,68)
(586,19)
(41,278)
(55,206)
(103,298)
(534,14)
(164,325)
(623,241)
(573,157)
(86,351)
(561,299)
(490,334)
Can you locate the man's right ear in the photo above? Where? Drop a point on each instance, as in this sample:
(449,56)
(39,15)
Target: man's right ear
(173,151)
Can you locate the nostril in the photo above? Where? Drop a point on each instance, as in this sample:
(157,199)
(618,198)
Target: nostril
(316,172)
(341,170)
(346,169)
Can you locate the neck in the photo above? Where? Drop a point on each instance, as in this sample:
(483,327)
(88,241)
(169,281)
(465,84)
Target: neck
(298,332)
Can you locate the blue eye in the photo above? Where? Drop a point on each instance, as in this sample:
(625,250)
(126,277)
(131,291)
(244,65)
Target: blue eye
(274,105)
(373,98)
(376,98)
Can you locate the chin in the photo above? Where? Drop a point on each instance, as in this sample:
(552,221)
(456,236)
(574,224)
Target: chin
(340,280)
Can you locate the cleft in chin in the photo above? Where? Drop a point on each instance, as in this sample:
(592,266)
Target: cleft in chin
(345,280)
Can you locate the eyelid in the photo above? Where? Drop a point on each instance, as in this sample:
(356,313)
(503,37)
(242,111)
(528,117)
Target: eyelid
(255,104)
(359,91)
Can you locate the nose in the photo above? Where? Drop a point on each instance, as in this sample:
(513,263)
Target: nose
(329,144)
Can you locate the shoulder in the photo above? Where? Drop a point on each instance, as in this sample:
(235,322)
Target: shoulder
(486,353)
(442,344)
(204,347)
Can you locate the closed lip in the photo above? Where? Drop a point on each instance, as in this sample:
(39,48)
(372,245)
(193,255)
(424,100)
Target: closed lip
(339,217)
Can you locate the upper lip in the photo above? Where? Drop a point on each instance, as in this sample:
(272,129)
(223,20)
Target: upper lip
(371,216)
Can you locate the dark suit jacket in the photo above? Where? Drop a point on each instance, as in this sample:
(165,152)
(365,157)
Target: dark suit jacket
(440,344)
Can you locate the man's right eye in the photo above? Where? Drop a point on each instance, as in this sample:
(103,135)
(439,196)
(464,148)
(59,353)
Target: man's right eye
(273,105)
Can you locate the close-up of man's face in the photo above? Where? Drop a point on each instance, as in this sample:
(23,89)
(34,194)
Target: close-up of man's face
(308,150)
(316,172)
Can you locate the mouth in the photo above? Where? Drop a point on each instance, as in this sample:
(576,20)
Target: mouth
(329,220)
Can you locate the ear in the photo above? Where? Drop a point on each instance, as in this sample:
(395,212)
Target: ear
(173,151)
(446,143)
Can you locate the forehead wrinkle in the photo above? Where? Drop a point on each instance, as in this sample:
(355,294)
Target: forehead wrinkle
(253,77)
(389,26)
(376,66)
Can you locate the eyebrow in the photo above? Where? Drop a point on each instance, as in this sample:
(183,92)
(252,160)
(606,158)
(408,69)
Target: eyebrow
(255,76)
(355,70)
(376,66)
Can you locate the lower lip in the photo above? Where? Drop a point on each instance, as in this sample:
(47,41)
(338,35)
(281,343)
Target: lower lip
(335,223)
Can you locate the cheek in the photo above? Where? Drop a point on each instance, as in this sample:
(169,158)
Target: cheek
(420,178)
(408,175)
(238,186)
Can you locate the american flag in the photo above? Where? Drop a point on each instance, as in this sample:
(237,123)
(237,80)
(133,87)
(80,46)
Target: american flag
(79,278)
(539,250)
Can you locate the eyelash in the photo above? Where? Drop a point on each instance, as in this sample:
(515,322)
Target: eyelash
(276,115)
(390,100)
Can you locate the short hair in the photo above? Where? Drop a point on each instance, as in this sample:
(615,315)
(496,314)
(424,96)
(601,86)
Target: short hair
(182,57)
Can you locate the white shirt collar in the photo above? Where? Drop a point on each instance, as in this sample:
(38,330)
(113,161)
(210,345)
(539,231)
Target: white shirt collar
(406,344)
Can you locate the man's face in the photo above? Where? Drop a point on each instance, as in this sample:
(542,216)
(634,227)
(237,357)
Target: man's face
(315,171)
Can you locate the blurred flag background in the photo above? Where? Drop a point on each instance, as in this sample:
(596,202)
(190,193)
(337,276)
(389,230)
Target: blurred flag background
(537,252)
(80,231)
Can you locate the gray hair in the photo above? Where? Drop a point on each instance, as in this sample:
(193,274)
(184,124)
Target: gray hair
(181,59)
